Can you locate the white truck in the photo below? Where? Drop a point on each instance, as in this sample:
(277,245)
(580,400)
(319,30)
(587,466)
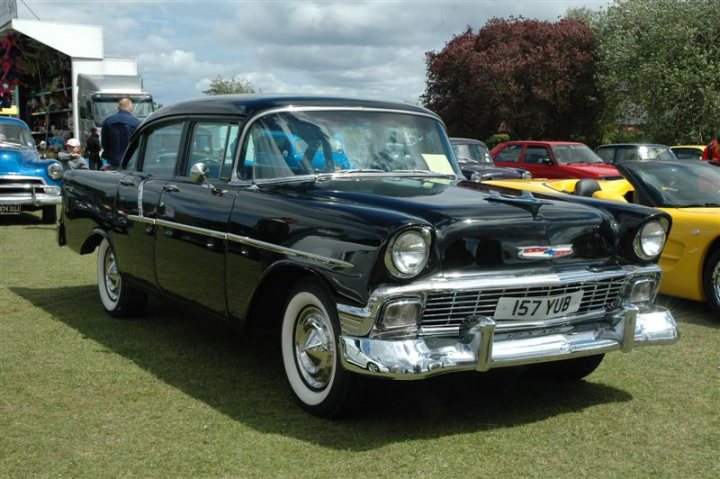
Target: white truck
(98,95)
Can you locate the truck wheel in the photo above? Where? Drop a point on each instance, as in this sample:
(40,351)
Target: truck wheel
(118,299)
(570,370)
(310,351)
(49,214)
(711,281)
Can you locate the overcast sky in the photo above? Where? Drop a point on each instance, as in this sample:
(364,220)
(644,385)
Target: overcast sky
(356,48)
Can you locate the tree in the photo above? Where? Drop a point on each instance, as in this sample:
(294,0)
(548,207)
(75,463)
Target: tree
(533,79)
(222,86)
(662,57)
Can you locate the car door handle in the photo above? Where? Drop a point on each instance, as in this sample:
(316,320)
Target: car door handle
(127,183)
(170,188)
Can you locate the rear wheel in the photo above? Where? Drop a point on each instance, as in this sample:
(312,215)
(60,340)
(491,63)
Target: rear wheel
(310,351)
(118,299)
(570,370)
(711,281)
(49,214)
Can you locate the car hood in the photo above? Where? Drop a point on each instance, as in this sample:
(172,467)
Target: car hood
(474,226)
(18,161)
(595,169)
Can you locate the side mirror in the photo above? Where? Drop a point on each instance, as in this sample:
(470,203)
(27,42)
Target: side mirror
(547,161)
(198,173)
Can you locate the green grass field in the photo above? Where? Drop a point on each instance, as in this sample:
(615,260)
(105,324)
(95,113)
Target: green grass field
(175,395)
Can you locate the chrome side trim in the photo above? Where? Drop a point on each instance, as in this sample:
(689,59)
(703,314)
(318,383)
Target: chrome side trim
(301,255)
(480,349)
(313,258)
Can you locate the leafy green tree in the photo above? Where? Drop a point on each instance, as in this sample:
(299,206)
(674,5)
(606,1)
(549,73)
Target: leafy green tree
(662,58)
(529,78)
(222,86)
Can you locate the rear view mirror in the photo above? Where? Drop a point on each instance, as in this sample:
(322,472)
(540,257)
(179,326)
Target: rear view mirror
(198,173)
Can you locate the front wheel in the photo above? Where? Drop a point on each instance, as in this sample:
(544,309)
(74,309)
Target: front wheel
(711,281)
(118,299)
(310,352)
(570,370)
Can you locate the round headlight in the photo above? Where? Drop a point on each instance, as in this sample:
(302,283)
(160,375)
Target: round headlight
(650,240)
(408,254)
(526,175)
(55,170)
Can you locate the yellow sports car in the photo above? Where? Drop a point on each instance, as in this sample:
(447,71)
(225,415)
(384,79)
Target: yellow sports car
(689,192)
(688,152)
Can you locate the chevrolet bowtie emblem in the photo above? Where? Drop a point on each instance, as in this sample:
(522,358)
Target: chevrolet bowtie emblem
(544,252)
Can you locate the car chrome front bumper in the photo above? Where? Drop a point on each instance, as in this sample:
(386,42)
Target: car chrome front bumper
(32,194)
(479,349)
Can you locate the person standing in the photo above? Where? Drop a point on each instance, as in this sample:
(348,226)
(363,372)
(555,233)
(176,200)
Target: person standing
(116,132)
(712,151)
(92,150)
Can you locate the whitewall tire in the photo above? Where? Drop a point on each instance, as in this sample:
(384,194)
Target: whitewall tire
(311,353)
(118,299)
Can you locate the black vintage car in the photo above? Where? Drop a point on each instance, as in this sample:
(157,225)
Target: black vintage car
(347,223)
(476,163)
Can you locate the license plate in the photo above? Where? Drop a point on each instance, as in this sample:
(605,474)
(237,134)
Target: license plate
(9,209)
(538,308)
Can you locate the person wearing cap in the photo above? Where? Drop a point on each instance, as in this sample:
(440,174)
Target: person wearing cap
(116,132)
(72,153)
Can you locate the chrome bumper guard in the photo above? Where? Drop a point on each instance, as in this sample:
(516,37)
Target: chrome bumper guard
(34,194)
(478,349)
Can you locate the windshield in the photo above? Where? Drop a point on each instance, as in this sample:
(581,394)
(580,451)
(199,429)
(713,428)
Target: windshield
(289,144)
(473,153)
(656,152)
(15,135)
(103,108)
(570,154)
(678,185)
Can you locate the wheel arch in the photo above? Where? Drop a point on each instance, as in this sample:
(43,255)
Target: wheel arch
(712,247)
(266,306)
(93,240)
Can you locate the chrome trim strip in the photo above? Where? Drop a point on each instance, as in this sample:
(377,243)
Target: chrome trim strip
(236,163)
(302,255)
(24,178)
(314,258)
(480,349)
(191,229)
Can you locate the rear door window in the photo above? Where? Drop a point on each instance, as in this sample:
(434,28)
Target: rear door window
(510,154)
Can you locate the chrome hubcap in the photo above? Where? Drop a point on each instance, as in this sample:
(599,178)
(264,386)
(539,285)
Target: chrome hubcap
(715,281)
(112,277)
(314,347)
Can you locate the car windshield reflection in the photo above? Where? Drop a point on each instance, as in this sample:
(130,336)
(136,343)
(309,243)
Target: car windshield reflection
(679,185)
(300,143)
(575,154)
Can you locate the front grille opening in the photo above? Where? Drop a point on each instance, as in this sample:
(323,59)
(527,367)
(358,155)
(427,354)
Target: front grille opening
(446,311)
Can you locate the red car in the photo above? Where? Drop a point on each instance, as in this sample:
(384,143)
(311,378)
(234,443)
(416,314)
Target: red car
(553,159)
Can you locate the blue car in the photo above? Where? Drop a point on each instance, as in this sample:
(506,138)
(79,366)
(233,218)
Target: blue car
(27,182)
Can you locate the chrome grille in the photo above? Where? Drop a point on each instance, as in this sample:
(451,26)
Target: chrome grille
(19,185)
(448,309)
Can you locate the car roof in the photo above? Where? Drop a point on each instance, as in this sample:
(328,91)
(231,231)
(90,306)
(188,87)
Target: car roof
(12,121)
(541,142)
(470,141)
(249,105)
(631,144)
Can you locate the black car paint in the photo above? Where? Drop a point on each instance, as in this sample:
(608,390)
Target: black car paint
(345,219)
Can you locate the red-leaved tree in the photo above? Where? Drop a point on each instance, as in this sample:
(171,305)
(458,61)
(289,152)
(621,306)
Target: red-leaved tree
(532,79)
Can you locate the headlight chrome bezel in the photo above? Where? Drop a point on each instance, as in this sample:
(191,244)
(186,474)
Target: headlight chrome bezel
(398,271)
(53,171)
(640,246)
